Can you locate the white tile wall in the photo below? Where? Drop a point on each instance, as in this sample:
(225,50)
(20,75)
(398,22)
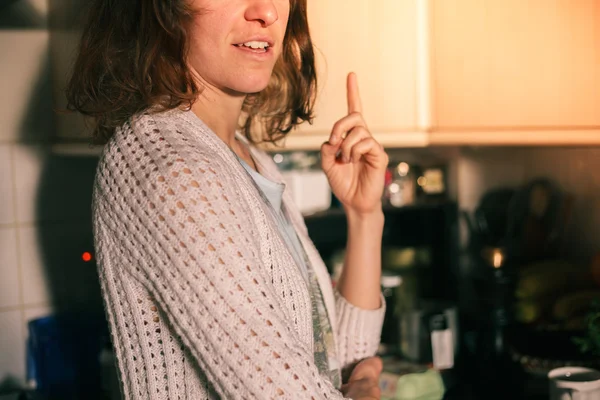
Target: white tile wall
(35,287)
(24,57)
(7,214)
(25,116)
(12,346)
(30,162)
(9,271)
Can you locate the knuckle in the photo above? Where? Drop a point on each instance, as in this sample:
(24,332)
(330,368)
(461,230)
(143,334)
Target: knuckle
(338,125)
(364,131)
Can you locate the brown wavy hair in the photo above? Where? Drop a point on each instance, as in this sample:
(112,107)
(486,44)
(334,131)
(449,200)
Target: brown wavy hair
(133,58)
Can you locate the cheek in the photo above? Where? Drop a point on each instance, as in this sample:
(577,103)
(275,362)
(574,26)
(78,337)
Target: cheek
(284,12)
(205,37)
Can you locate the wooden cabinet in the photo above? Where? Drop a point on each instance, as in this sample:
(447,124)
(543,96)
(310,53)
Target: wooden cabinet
(522,71)
(379,41)
(461,72)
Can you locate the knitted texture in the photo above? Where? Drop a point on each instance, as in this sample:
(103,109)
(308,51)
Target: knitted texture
(203,297)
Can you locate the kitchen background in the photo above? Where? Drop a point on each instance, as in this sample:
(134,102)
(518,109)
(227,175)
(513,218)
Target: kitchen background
(503,91)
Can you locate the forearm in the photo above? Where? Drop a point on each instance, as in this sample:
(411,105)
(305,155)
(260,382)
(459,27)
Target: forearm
(359,282)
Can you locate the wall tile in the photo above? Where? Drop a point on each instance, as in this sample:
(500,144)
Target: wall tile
(65,188)
(9,269)
(27,114)
(7,209)
(53,271)
(34,275)
(24,14)
(51,187)
(28,165)
(12,347)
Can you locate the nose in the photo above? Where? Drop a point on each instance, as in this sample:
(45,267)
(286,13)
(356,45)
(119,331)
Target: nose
(263,11)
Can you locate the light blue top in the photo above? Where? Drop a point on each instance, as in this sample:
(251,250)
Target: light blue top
(273,191)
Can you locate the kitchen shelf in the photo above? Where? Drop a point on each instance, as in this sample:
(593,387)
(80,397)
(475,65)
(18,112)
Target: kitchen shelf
(517,137)
(550,136)
(76,149)
(313,141)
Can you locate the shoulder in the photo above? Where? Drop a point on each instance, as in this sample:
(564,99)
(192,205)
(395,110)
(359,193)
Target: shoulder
(161,156)
(165,142)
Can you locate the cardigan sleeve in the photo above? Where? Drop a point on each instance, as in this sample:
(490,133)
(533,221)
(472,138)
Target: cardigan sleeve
(176,229)
(359,330)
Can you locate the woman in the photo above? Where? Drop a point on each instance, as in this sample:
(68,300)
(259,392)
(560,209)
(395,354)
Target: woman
(212,286)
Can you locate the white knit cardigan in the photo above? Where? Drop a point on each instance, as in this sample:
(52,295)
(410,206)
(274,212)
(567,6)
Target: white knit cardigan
(203,298)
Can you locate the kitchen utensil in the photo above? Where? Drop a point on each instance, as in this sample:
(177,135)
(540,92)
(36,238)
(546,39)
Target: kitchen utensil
(416,329)
(574,383)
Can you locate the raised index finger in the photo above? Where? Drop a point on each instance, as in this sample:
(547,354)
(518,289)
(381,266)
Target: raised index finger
(354,104)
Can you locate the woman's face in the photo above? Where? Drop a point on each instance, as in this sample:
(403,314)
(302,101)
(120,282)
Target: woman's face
(234,44)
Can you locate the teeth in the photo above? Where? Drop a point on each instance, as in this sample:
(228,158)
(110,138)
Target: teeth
(256,45)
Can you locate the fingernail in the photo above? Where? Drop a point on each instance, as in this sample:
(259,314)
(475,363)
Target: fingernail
(333,140)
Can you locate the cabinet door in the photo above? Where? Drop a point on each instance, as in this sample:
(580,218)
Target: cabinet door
(378,41)
(516,64)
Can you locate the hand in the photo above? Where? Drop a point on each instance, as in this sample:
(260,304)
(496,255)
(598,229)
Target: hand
(363,383)
(355,163)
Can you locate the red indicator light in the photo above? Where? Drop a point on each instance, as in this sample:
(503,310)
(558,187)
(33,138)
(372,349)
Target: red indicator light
(87,256)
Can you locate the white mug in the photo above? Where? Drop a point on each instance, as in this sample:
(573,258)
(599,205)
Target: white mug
(574,383)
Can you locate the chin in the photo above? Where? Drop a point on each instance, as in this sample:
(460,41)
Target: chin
(250,84)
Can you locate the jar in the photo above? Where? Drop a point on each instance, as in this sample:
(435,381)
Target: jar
(390,284)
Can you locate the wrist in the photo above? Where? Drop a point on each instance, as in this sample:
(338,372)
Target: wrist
(372,219)
(373,215)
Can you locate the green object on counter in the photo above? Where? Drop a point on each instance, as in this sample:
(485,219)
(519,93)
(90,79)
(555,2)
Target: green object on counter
(426,385)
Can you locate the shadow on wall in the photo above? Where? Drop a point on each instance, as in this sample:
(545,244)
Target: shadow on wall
(18,14)
(63,196)
(38,122)
(63,208)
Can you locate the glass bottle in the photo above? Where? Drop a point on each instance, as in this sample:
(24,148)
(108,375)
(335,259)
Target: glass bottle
(390,283)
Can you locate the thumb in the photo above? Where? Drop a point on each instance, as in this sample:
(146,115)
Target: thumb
(368,368)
